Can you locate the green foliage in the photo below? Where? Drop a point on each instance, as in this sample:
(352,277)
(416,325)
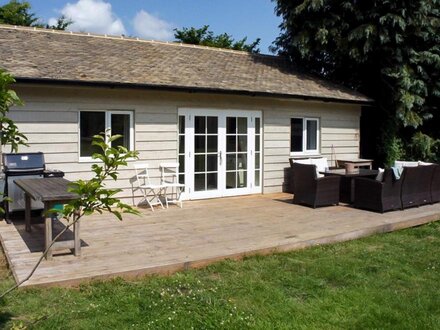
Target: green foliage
(388,281)
(388,50)
(205,37)
(425,147)
(19,13)
(10,135)
(93,194)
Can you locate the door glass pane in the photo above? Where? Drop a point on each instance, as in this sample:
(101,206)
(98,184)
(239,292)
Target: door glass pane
(199,143)
(312,134)
(199,163)
(257,178)
(91,123)
(257,160)
(181,144)
(242,125)
(231,125)
(181,124)
(212,124)
(211,181)
(212,163)
(257,142)
(231,143)
(121,125)
(230,162)
(241,179)
(199,124)
(182,164)
(230,180)
(296,135)
(199,182)
(257,125)
(242,161)
(242,143)
(212,143)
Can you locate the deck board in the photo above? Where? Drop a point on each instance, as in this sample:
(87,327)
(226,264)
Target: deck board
(202,232)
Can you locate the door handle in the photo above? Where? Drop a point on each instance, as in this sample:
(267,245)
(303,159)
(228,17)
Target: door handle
(221,157)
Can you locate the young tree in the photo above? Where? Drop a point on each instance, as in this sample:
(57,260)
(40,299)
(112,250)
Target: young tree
(19,13)
(388,50)
(205,37)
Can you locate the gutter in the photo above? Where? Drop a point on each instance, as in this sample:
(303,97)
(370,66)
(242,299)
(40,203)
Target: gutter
(202,90)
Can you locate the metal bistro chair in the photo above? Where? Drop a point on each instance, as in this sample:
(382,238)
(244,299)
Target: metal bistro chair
(151,192)
(170,179)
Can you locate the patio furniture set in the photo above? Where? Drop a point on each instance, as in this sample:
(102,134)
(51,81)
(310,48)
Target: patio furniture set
(169,189)
(408,184)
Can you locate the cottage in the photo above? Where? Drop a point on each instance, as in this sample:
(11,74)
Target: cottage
(231,119)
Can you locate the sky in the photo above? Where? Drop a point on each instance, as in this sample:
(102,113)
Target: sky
(156,19)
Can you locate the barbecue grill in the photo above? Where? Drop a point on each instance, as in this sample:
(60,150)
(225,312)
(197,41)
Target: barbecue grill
(23,166)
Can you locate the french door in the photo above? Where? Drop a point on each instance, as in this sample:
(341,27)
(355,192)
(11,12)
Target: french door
(220,151)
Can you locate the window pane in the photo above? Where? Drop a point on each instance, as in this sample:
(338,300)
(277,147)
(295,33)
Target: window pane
(296,135)
(257,178)
(231,162)
(242,125)
(199,182)
(312,134)
(211,181)
(181,144)
(182,163)
(91,123)
(242,143)
(199,163)
(182,178)
(182,124)
(257,125)
(200,124)
(212,143)
(241,179)
(121,125)
(231,125)
(257,142)
(231,142)
(230,180)
(242,161)
(212,125)
(199,143)
(257,160)
(211,163)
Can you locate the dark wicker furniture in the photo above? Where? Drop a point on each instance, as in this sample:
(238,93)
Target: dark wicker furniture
(311,190)
(346,191)
(379,196)
(417,185)
(435,185)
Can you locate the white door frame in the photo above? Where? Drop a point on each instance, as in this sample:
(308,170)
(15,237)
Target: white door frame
(221,114)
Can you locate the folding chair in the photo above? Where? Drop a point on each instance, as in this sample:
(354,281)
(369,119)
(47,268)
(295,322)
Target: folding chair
(151,192)
(170,178)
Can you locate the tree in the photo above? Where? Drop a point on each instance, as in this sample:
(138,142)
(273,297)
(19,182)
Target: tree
(205,37)
(389,50)
(19,13)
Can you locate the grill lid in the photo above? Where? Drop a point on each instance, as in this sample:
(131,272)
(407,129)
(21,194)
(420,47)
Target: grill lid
(23,161)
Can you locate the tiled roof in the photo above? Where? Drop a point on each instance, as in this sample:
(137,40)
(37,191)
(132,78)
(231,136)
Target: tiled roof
(40,54)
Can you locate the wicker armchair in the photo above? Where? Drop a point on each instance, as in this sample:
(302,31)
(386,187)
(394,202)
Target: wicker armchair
(416,185)
(379,196)
(435,185)
(313,191)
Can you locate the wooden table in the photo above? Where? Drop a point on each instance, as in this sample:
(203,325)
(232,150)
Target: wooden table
(50,191)
(357,162)
(346,190)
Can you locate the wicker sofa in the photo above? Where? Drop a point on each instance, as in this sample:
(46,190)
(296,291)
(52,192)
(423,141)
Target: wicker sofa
(311,190)
(417,186)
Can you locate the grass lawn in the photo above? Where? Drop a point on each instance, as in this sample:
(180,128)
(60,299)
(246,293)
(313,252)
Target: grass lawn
(384,281)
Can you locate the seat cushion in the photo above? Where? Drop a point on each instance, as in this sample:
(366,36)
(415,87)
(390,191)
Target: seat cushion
(321,165)
(403,163)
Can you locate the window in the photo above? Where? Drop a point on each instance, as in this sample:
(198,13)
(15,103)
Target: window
(95,122)
(304,135)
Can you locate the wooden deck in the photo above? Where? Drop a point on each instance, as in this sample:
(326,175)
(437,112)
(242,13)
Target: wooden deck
(202,232)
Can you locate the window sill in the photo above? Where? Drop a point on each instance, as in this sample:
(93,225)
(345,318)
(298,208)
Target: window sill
(304,155)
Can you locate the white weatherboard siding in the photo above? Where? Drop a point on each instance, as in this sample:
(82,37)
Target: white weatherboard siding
(50,121)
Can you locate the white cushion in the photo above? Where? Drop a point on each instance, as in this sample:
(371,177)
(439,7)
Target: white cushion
(402,163)
(321,165)
(379,176)
(306,161)
(424,163)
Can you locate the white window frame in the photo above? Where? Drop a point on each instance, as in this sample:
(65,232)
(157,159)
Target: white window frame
(108,122)
(304,140)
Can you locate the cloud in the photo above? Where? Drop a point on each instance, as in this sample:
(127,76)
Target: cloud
(150,27)
(92,16)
